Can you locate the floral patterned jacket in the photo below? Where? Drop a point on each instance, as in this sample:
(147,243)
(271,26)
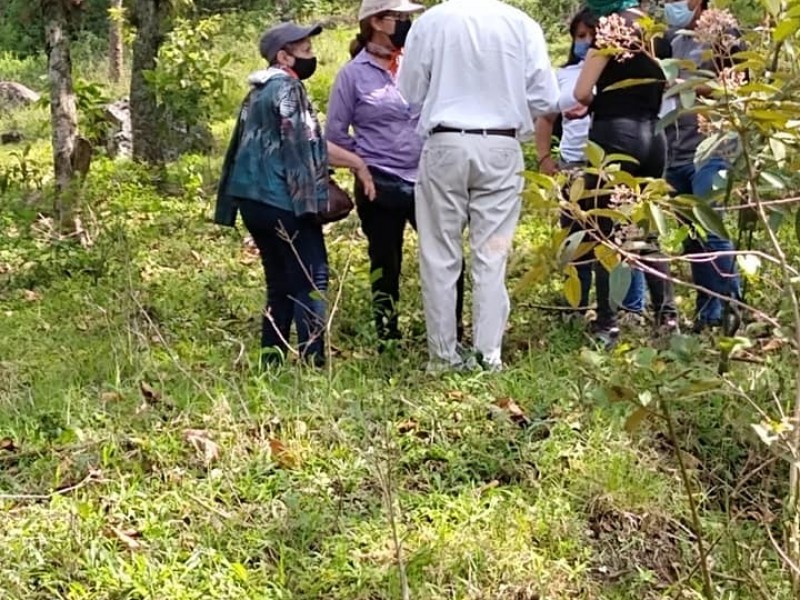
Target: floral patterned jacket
(277,154)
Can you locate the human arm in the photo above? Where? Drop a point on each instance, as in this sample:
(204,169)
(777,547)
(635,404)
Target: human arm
(414,77)
(544,138)
(340,157)
(592,69)
(226,207)
(541,86)
(341,107)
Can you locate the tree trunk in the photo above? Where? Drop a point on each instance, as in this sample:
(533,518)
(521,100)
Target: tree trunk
(63,110)
(115,47)
(146,121)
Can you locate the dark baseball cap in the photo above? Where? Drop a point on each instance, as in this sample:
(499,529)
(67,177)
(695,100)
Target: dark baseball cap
(278,37)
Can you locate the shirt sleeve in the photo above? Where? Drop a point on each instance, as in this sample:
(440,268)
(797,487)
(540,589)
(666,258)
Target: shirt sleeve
(341,106)
(295,143)
(540,81)
(415,71)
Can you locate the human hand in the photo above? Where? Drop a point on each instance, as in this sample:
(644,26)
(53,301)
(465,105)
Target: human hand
(548,166)
(576,112)
(365,177)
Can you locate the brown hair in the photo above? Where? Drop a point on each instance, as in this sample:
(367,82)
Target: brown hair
(364,35)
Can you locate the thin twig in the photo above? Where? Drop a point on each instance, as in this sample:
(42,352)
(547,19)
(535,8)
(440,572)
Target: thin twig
(90,478)
(387,487)
(708,587)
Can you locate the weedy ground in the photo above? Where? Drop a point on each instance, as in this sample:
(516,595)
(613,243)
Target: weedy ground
(144,456)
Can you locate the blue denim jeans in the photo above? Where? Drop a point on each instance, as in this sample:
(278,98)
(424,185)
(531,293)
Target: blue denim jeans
(720,275)
(297,278)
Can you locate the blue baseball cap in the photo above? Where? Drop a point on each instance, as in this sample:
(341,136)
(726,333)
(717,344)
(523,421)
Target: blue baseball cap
(278,37)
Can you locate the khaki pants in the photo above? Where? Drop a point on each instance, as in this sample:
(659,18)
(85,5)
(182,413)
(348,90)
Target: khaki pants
(476,180)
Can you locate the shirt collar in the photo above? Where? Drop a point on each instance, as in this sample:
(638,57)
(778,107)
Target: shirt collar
(366,57)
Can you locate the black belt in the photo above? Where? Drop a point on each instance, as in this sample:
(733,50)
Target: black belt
(503,132)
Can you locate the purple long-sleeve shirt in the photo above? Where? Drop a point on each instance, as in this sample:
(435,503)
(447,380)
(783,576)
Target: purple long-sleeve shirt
(365,96)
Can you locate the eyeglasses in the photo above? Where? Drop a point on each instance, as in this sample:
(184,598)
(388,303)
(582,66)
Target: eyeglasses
(397,16)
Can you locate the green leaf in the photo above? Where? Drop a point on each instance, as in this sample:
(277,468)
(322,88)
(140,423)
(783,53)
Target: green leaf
(773,7)
(684,86)
(710,219)
(709,145)
(635,419)
(566,253)
(775,221)
(607,256)
(778,150)
(620,158)
(240,571)
(538,179)
(657,218)
(226,58)
(619,283)
(773,180)
(728,344)
(629,83)
(615,215)
(619,393)
(594,154)
(785,29)
(592,358)
(375,275)
(668,119)
(577,189)
(583,249)
(572,287)
(671,68)
(703,385)
(688,98)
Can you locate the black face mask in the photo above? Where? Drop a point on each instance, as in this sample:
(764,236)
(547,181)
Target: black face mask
(304,67)
(398,38)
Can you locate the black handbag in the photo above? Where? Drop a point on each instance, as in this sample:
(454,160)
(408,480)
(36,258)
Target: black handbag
(339,204)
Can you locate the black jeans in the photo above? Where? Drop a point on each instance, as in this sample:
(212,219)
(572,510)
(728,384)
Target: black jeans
(297,278)
(638,139)
(383,221)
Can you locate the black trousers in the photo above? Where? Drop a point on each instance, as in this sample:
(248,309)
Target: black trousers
(638,139)
(383,221)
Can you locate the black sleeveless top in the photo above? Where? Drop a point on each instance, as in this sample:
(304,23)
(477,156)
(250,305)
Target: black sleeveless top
(641,101)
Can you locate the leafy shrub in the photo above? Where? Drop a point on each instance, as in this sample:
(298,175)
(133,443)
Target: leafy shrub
(19,172)
(189,78)
(25,70)
(22,28)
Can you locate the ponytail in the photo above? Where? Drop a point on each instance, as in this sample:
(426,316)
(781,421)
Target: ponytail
(362,37)
(357,45)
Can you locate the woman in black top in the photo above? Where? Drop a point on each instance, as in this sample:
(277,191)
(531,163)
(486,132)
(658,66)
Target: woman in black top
(624,122)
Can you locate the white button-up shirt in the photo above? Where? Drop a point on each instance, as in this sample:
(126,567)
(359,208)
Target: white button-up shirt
(478,64)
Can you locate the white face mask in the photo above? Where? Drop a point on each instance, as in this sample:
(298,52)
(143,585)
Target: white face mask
(678,14)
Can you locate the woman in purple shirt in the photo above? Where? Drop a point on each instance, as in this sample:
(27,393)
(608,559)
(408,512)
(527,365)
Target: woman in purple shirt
(365,96)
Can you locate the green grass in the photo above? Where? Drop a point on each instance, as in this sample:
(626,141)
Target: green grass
(143,455)
(164,298)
